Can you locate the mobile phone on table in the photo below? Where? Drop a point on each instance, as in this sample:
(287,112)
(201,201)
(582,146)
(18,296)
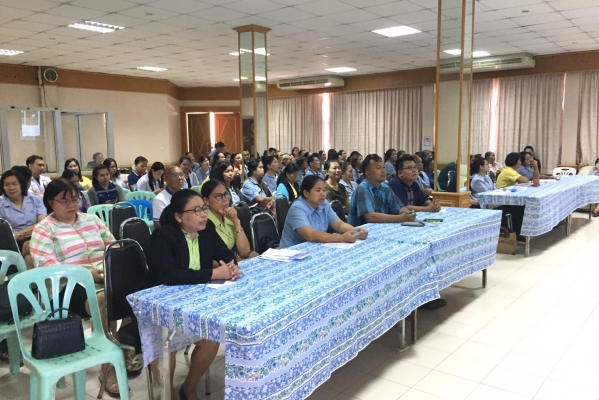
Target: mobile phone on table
(412,223)
(433,220)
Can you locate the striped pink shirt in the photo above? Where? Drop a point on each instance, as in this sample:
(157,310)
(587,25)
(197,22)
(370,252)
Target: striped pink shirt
(83,243)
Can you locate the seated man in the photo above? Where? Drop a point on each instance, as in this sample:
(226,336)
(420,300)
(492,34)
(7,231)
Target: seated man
(39,182)
(509,176)
(373,200)
(423,181)
(406,188)
(98,158)
(527,170)
(174,179)
(443,178)
(141,164)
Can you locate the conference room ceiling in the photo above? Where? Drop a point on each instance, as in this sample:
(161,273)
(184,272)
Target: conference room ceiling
(193,39)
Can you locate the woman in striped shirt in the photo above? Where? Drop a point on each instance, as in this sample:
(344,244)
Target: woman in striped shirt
(67,236)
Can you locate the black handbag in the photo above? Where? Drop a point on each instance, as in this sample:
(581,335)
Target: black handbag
(23,305)
(57,337)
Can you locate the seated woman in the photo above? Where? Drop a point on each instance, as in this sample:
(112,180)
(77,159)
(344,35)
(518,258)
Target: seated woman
(115,175)
(253,190)
(286,182)
(226,175)
(223,223)
(20,210)
(73,165)
(69,237)
(103,191)
(311,215)
(335,191)
(204,170)
(495,167)
(355,160)
(218,158)
(189,177)
(481,181)
(347,175)
(152,181)
(183,255)
(530,150)
(74,179)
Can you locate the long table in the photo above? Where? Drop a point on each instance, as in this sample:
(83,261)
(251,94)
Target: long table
(547,205)
(288,326)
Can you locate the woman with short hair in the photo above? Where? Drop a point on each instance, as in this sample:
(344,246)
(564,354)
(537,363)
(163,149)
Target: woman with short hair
(335,191)
(204,172)
(481,181)
(183,255)
(311,215)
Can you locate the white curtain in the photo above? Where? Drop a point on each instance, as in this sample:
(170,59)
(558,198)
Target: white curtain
(588,119)
(295,121)
(530,113)
(481,116)
(374,121)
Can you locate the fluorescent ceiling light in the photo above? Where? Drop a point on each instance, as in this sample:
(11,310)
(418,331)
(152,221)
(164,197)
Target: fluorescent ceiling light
(396,31)
(235,53)
(152,69)
(243,78)
(453,52)
(480,53)
(7,52)
(259,50)
(260,79)
(95,27)
(340,69)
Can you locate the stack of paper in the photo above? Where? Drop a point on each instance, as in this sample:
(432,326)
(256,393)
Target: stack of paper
(284,255)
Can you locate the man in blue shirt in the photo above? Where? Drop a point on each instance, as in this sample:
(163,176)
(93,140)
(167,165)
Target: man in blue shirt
(373,200)
(527,167)
(219,147)
(141,164)
(314,165)
(271,168)
(406,188)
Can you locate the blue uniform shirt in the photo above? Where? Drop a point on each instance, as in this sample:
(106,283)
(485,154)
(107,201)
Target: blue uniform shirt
(250,190)
(368,198)
(270,181)
(390,168)
(480,184)
(310,172)
(302,214)
(526,171)
(132,179)
(25,217)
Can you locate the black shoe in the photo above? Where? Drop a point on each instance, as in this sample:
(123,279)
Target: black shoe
(182,394)
(521,239)
(434,304)
(595,214)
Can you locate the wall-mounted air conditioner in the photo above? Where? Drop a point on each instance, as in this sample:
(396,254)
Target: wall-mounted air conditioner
(313,82)
(496,63)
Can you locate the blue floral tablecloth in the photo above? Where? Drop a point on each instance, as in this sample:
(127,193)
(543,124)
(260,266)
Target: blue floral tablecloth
(288,326)
(548,204)
(464,243)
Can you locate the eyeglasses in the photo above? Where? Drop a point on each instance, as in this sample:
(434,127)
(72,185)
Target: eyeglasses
(179,176)
(197,210)
(412,168)
(66,202)
(220,196)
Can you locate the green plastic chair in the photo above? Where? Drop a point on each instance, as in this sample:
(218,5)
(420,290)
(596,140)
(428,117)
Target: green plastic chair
(140,195)
(44,374)
(8,331)
(102,211)
(196,188)
(437,182)
(126,191)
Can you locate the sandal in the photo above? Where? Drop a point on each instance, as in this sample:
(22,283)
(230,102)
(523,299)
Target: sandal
(111,388)
(134,364)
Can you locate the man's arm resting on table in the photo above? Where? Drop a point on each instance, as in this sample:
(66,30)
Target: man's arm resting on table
(386,218)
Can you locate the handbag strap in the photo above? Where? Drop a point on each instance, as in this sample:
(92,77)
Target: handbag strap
(69,313)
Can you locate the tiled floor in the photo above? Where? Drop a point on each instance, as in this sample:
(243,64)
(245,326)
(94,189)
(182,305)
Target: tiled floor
(531,334)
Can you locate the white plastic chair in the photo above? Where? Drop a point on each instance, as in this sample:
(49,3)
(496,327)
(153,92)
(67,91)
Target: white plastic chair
(563,171)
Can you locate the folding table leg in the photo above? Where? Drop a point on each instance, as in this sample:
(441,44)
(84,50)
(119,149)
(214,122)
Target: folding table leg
(484,278)
(527,247)
(414,320)
(568,224)
(165,368)
(401,335)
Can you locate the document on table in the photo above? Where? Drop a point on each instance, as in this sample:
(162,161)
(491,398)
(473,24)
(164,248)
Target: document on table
(284,255)
(343,245)
(219,285)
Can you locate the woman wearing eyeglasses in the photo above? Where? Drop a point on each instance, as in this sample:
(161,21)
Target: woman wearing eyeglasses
(225,174)
(183,254)
(223,223)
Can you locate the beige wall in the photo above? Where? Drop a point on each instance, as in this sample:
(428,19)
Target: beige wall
(144,123)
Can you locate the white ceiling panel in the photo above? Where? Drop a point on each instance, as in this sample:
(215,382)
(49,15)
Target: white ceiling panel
(192,38)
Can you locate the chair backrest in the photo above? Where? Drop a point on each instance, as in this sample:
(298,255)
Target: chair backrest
(125,272)
(144,208)
(245,218)
(102,211)
(338,208)
(120,213)
(137,229)
(281,209)
(26,284)
(196,188)
(140,195)
(126,191)
(264,232)
(7,237)
(564,171)
(9,258)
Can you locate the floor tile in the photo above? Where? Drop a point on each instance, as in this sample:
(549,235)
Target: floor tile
(401,372)
(342,378)
(483,352)
(442,342)
(484,392)
(464,367)
(372,388)
(446,386)
(514,381)
(423,356)
(414,394)
(555,390)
